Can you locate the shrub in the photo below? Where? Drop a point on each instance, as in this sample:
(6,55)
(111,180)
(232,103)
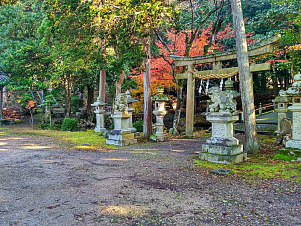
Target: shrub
(138,125)
(69,124)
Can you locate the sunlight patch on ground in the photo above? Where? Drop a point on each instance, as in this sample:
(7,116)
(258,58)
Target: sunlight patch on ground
(123,210)
(2,133)
(115,159)
(3,143)
(35,146)
(3,199)
(179,151)
(15,138)
(3,149)
(146,152)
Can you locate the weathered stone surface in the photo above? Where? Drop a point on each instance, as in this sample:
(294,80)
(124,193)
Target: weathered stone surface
(293,144)
(222,150)
(121,134)
(221,171)
(285,130)
(222,147)
(223,159)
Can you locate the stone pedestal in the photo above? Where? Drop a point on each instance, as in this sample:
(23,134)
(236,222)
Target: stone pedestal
(295,142)
(99,111)
(160,136)
(121,135)
(222,147)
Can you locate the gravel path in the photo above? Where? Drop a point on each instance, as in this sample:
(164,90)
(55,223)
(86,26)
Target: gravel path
(153,184)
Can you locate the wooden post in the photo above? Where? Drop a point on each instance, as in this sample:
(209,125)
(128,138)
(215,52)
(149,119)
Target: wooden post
(190,101)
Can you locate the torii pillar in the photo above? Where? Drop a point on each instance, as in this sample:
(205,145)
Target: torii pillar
(190,101)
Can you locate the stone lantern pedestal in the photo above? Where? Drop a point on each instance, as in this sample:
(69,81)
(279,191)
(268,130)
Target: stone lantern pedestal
(222,147)
(121,134)
(281,103)
(160,112)
(130,101)
(99,111)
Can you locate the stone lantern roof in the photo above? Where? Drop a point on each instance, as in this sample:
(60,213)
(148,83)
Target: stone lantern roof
(130,99)
(98,102)
(295,90)
(160,96)
(281,99)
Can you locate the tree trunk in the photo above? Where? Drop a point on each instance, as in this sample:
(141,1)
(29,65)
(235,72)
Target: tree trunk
(147,116)
(119,82)
(102,85)
(68,89)
(90,101)
(245,78)
(177,115)
(275,85)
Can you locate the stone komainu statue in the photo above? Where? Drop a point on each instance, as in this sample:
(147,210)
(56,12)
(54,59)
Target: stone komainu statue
(120,102)
(222,101)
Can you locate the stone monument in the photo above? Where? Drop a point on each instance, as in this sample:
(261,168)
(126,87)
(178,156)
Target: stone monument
(295,93)
(130,101)
(99,111)
(121,134)
(222,147)
(160,112)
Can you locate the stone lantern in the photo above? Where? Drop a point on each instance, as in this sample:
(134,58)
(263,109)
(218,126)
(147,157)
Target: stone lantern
(99,111)
(160,111)
(130,101)
(295,93)
(281,107)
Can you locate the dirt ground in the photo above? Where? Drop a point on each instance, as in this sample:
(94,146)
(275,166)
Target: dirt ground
(153,184)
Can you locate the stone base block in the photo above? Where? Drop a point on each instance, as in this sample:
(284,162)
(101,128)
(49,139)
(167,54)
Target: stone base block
(99,130)
(230,141)
(223,154)
(293,144)
(121,138)
(160,137)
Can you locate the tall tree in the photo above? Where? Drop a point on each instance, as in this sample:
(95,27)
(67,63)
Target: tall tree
(191,19)
(245,78)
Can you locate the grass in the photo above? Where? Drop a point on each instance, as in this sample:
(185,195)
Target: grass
(271,163)
(86,140)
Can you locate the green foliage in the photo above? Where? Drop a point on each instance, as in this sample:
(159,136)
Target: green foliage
(75,101)
(25,97)
(69,124)
(138,125)
(284,157)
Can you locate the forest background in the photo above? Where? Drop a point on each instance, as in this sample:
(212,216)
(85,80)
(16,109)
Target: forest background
(68,50)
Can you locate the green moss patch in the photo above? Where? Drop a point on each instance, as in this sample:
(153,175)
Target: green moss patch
(86,140)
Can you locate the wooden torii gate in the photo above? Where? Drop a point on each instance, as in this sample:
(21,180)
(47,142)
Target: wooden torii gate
(262,48)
